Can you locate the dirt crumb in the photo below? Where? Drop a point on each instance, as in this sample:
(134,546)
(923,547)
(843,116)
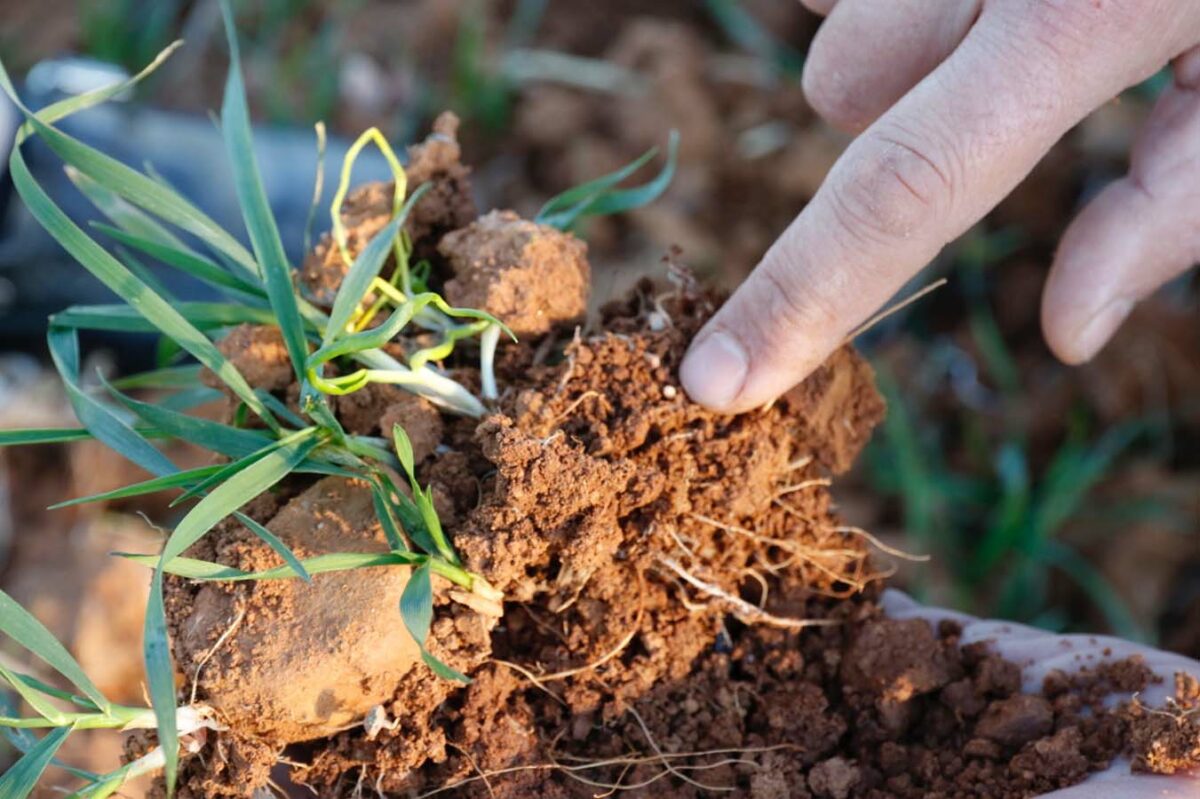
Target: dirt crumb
(532,277)
(419,418)
(1016,720)
(833,778)
(259,354)
(1167,740)
(898,660)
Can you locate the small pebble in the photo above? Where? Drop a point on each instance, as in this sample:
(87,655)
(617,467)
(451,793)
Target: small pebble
(669,392)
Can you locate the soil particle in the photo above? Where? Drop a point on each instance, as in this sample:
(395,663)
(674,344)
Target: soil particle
(1167,741)
(834,778)
(838,407)
(259,354)
(419,418)
(897,660)
(532,277)
(1016,721)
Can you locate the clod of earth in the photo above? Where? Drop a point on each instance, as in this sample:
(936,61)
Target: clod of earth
(684,608)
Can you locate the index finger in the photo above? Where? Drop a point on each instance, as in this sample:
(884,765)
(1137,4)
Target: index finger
(929,168)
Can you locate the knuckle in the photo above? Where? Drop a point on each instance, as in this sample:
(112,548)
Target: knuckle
(790,300)
(892,190)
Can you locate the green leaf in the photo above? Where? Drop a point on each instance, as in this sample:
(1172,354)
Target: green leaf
(195,265)
(416,609)
(621,200)
(160,676)
(365,269)
(152,486)
(144,274)
(599,196)
(230,469)
(34,698)
(281,549)
(190,398)
(43,435)
(80,102)
(18,624)
(122,318)
(169,377)
(387,519)
(404,451)
(122,282)
(24,741)
(229,441)
(279,409)
(20,780)
(99,420)
(206,571)
(148,194)
(264,235)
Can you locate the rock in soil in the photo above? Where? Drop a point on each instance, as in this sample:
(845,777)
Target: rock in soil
(285,661)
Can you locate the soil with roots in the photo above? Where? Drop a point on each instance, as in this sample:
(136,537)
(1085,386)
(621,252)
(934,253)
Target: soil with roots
(685,613)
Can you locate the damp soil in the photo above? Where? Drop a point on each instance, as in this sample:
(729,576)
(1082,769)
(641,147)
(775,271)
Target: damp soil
(685,612)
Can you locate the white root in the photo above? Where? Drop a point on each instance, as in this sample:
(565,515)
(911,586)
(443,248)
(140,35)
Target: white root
(743,610)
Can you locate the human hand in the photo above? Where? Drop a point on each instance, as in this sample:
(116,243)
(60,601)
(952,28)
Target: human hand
(959,100)
(1038,653)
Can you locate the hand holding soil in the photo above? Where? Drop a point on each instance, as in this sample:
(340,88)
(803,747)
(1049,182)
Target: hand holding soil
(957,102)
(1043,658)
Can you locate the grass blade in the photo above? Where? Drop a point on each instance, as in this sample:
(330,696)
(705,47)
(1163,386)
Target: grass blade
(135,187)
(99,420)
(18,624)
(43,435)
(416,609)
(197,266)
(20,780)
(152,486)
(260,223)
(23,740)
(621,200)
(206,571)
(121,281)
(127,217)
(70,105)
(168,377)
(599,196)
(229,441)
(160,677)
(122,318)
(281,549)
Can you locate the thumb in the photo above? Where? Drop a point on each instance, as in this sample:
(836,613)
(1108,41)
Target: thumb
(1137,234)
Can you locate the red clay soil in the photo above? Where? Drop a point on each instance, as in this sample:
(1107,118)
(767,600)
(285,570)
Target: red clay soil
(685,613)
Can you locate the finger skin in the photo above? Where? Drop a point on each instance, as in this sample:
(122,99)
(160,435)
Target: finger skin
(822,7)
(1139,233)
(869,53)
(1038,652)
(918,177)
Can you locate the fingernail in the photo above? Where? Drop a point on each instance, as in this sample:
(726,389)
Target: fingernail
(714,370)
(1100,328)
